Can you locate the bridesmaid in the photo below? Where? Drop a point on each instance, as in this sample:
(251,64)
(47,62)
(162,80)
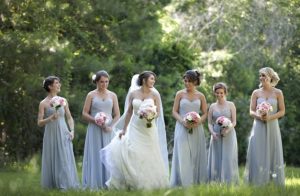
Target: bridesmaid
(58,163)
(265,156)
(94,174)
(223,153)
(189,162)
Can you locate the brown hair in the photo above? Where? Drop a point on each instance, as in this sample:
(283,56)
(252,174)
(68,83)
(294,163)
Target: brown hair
(144,75)
(98,75)
(193,76)
(220,85)
(49,81)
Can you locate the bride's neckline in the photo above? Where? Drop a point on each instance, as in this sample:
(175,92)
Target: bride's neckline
(143,99)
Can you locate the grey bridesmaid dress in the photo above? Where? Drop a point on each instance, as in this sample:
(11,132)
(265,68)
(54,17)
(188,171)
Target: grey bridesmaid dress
(189,162)
(223,153)
(94,173)
(58,162)
(265,156)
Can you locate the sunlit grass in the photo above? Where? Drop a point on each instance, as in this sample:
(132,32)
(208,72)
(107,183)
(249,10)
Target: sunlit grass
(25,180)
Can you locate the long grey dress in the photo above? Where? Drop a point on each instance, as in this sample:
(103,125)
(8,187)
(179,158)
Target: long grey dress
(189,162)
(223,153)
(265,156)
(94,174)
(58,163)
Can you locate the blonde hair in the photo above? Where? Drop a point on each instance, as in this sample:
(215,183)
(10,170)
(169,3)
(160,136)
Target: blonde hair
(270,73)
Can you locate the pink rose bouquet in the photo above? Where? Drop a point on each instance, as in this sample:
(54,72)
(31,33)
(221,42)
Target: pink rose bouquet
(191,118)
(263,108)
(56,102)
(225,123)
(147,112)
(101,119)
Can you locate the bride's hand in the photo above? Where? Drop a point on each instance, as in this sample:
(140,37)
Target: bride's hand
(121,134)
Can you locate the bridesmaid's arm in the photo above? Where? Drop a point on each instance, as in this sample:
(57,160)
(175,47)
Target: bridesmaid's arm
(281,107)
(253,106)
(175,110)
(86,108)
(203,108)
(210,123)
(116,109)
(233,114)
(69,120)
(41,121)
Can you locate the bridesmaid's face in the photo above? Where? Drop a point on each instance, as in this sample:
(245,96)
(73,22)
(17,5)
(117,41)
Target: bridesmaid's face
(188,84)
(150,81)
(55,87)
(220,93)
(263,78)
(103,82)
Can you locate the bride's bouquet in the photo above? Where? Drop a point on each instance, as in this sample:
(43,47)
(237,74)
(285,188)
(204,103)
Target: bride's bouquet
(56,102)
(147,112)
(225,123)
(191,118)
(101,119)
(263,108)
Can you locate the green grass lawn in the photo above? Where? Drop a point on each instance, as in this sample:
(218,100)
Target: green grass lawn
(26,181)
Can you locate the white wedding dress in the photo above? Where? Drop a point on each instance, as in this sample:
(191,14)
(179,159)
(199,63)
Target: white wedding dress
(135,160)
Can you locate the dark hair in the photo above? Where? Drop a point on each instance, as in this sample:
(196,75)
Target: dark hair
(98,75)
(192,76)
(49,81)
(144,75)
(220,85)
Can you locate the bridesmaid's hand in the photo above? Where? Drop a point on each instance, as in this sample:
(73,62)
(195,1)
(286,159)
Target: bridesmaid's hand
(225,131)
(71,135)
(54,116)
(265,117)
(215,135)
(107,129)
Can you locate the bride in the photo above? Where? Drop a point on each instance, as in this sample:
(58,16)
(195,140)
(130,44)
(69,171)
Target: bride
(137,157)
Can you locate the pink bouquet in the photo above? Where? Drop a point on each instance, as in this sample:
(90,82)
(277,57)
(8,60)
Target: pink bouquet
(225,123)
(101,119)
(263,108)
(56,102)
(192,118)
(147,112)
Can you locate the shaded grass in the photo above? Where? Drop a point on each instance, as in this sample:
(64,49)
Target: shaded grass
(27,182)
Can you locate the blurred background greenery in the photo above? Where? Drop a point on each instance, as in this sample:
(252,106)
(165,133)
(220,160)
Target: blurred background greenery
(227,40)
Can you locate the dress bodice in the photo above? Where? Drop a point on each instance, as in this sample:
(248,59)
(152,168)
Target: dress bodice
(100,105)
(222,112)
(49,111)
(271,100)
(136,103)
(186,105)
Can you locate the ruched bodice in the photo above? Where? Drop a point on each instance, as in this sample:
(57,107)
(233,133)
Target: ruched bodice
(100,105)
(187,105)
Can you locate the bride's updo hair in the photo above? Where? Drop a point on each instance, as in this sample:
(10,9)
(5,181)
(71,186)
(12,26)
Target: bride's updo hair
(49,81)
(220,85)
(96,77)
(270,73)
(144,75)
(193,76)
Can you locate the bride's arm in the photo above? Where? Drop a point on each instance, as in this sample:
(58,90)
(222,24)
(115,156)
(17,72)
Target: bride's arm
(127,116)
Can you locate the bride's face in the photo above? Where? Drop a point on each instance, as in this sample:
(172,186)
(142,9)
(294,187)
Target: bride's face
(150,81)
